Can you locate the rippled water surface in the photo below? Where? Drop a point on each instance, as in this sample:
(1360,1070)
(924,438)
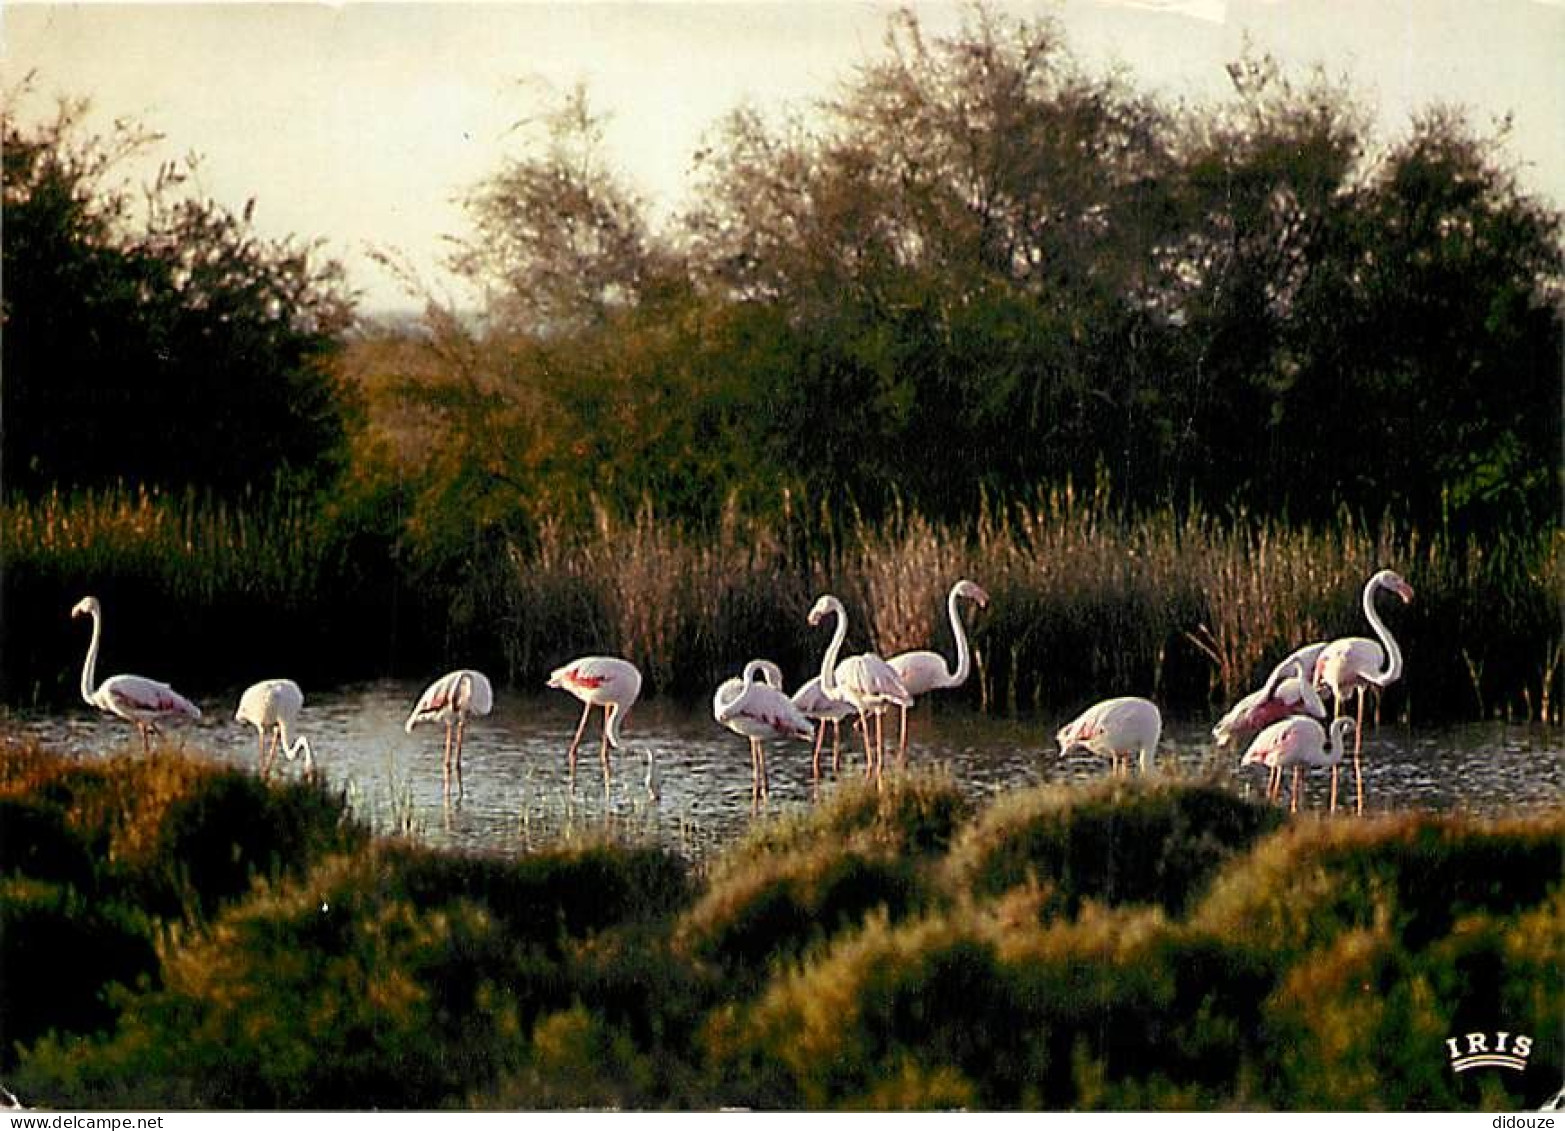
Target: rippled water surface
(517,793)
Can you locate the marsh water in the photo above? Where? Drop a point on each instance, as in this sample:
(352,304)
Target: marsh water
(517,793)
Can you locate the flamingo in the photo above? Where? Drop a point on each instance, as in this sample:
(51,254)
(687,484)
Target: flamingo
(824,710)
(272,706)
(1353,663)
(758,711)
(136,699)
(599,681)
(1288,691)
(453,699)
(1298,742)
(866,682)
(1116,728)
(922,672)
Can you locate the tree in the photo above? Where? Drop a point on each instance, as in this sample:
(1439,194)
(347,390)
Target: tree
(175,348)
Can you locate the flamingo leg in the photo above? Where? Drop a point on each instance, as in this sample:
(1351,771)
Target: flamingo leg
(815,759)
(880,742)
(581,728)
(902,742)
(869,755)
(461,733)
(1358,769)
(445,764)
(836,747)
(603,748)
(260,752)
(1333,789)
(1293,801)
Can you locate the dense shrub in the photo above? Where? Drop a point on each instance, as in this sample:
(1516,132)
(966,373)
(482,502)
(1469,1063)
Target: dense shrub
(1116,842)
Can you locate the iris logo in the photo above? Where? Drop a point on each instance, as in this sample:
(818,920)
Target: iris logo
(1489,1050)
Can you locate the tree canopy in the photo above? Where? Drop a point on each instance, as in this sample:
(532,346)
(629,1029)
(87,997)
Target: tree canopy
(164,344)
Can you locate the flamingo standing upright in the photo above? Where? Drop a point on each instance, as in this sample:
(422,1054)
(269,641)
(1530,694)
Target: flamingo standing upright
(824,711)
(1289,690)
(136,699)
(599,681)
(1352,664)
(922,671)
(1115,729)
(453,699)
(864,681)
(1299,741)
(760,711)
(272,707)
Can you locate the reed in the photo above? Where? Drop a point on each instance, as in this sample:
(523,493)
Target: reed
(1186,606)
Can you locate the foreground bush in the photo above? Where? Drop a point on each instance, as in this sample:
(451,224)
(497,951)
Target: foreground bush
(1126,946)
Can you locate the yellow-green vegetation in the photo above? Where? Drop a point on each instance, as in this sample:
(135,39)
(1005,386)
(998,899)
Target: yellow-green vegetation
(182,936)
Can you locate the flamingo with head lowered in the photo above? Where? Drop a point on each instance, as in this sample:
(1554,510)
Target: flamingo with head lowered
(136,699)
(1352,664)
(453,699)
(272,707)
(866,682)
(1289,690)
(599,681)
(1116,729)
(759,711)
(923,671)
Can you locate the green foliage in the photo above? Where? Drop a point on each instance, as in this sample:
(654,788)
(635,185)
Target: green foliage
(1117,842)
(891,953)
(177,350)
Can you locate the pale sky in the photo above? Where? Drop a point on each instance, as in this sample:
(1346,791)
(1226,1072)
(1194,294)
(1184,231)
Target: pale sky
(361,124)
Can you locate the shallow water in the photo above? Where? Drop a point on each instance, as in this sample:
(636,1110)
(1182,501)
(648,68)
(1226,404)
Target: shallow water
(517,793)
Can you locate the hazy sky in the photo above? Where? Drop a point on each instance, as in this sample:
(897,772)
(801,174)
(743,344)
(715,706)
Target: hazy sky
(362,123)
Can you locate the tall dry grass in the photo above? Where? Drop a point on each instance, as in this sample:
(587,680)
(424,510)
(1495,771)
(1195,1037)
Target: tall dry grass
(1089,600)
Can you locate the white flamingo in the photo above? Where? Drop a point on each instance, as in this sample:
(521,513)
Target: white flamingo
(759,711)
(1299,741)
(864,681)
(272,707)
(1289,690)
(922,672)
(824,711)
(1352,664)
(136,699)
(599,681)
(453,699)
(1115,729)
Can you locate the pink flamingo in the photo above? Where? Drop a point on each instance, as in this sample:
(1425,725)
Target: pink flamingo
(452,699)
(1299,741)
(922,672)
(866,682)
(136,699)
(272,707)
(825,711)
(599,681)
(759,711)
(1288,691)
(1352,664)
(1115,729)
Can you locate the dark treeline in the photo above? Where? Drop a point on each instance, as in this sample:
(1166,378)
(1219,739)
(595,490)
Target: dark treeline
(979,267)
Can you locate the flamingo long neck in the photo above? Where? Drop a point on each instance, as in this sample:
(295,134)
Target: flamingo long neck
(292,746)
(611,724)
(1393,671)
(964,655)
(829,660)
(1339,730)
(91,665)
